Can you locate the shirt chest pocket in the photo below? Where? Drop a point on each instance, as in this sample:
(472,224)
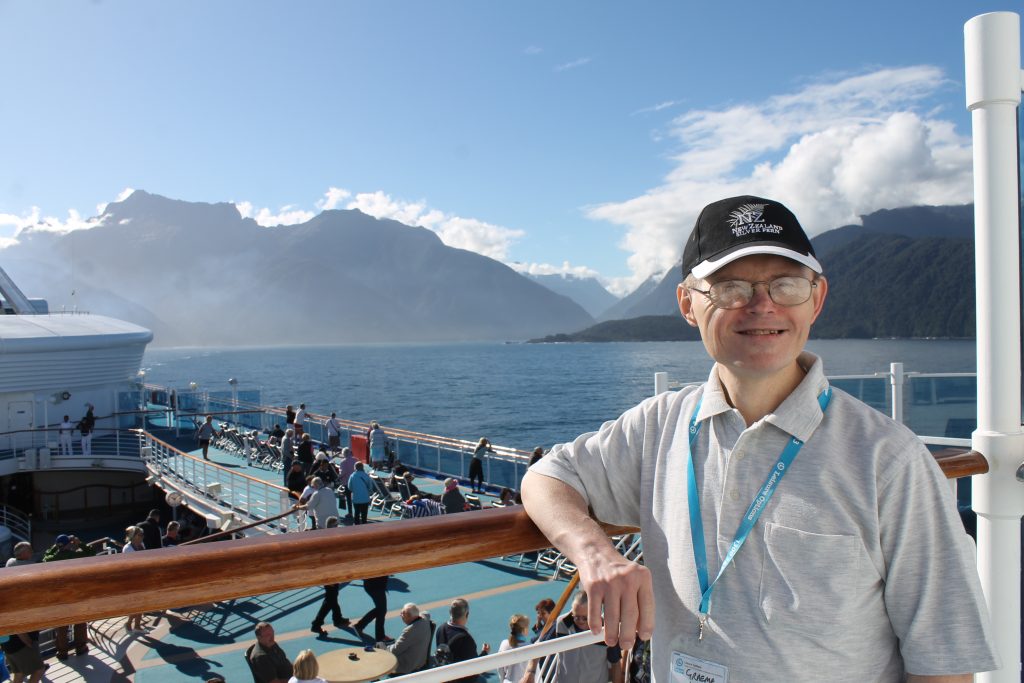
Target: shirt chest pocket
(809,582)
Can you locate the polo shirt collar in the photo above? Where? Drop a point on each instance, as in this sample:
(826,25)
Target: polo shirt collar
(798,415)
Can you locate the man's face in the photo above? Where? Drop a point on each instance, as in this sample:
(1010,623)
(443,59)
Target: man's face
(266,637)
(579,616)
(407,618)
(761,339)
(24,553)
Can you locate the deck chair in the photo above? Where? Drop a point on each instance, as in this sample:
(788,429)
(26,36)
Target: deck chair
(381,498)
(473,502)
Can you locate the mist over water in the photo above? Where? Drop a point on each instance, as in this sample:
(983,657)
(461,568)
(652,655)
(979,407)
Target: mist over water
(519,395)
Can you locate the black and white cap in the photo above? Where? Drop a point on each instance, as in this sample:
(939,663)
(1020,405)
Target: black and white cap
(730,229)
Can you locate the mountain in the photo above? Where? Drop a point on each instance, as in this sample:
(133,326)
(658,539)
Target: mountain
(632,304)
(201,274)
(643,328)
(904,273)
(586,291)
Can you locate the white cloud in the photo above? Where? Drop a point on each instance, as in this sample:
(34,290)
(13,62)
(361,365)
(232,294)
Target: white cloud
(655,108)
(35,221)
(332,198)
(832,151)
(288,214)
(533,50)
(548,269)
(582,61)
(124,194)
(455,231)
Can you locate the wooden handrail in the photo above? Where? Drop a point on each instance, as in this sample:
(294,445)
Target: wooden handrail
(960,462)
(73,591)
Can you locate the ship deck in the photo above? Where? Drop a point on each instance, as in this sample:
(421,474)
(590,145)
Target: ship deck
(197,642)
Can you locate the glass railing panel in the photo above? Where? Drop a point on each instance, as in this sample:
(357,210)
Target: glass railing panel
(871,390)
(941,405)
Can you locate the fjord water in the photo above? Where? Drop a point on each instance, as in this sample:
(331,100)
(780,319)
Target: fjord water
(518,395)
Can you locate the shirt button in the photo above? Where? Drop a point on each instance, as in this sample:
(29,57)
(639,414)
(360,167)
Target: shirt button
(739,455)
(734,494)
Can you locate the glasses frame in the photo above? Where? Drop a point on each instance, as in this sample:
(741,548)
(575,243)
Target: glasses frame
(753,285)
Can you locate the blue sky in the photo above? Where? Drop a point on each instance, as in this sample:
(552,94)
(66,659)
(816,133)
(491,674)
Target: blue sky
(553,135)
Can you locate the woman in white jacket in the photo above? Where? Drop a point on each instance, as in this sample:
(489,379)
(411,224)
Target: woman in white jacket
(519,627)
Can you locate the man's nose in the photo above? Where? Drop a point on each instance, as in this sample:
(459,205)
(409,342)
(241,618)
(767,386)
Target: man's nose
(760,299)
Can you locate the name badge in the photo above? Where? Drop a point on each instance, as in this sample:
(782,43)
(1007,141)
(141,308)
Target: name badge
(689,669)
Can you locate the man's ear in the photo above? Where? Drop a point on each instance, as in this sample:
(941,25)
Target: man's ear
(819,295)
(685,304)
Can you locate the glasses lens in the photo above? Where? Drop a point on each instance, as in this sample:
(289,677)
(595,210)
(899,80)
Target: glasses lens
(789,291)
(731,293)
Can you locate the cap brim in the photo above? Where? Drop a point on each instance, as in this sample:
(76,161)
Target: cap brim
(705,268)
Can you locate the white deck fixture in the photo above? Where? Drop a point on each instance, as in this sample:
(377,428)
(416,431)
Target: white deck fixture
(993,81)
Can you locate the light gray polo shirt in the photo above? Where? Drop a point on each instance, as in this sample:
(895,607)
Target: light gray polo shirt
(857,570)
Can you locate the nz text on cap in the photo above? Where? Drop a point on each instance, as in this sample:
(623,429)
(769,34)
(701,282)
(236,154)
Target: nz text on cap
(732,228)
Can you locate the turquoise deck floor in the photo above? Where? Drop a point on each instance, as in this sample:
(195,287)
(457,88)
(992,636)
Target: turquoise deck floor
(212,641)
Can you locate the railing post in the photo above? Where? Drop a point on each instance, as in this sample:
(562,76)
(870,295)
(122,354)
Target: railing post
(993,85)
(660,383)
(896,382)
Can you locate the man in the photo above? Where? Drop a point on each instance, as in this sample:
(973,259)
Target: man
(333,433)
(345,470)
(295,479)
(22,554)
(589,664)
(850,560)
(205,435)
(287,451)
(170,539)
(359,486)
(69,547)
(330,602)
(413,645)
(377,588)
(65,431)
(457,639)
(267,661)
(322,504)
(151,537)
(85,427)
(325,470)
(300,421)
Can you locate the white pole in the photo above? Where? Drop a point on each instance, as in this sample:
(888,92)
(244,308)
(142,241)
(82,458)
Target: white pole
(896,382)
(660,382)
(993,81)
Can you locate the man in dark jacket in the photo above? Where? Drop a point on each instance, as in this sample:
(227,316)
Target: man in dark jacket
(457,639)
(69,547)
(151,536)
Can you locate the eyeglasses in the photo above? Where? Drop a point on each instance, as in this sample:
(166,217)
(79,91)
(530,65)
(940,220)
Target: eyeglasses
(789,290)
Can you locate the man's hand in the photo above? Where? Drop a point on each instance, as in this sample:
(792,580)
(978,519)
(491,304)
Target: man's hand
(621,589)
(486,648)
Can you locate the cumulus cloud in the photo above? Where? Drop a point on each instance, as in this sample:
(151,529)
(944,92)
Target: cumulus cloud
(455,231)
(832,151)
(655,108)
(332,198)
(533,50)
(288,214)
(34,220)
(582,61)
(565,269)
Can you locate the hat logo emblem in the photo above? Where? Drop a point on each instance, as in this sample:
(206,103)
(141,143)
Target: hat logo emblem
(750,218)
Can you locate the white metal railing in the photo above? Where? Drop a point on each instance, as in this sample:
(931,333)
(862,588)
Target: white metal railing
(18,522)
(245,497)
(489,662)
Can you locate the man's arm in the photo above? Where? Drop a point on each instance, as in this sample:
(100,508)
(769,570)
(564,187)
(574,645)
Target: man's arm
(621,587)
(959,678)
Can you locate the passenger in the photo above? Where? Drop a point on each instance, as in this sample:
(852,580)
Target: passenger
(590,664)
(519,627)
(507,496)
(452,498)
(544,608)
(151,530)
(65,431)
(305,453)
(345,470)
(69,547)
(267,661)
(323,503)
(134,541)
(86,426)
(333,433)
(300,421)
(22,555)
(329,605)
(289,418)
(412,648)
(296,480)
(205,434)
(326,471)
(288,451)
(456,638)
(21,652)
(276,435)
(420,506)
(377,589)
(171,539)
(306,668)
(378,442)
(864,493)
(537,454)
(476,465)
(359,486)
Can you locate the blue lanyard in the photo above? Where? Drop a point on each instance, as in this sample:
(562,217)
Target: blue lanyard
(751,516)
